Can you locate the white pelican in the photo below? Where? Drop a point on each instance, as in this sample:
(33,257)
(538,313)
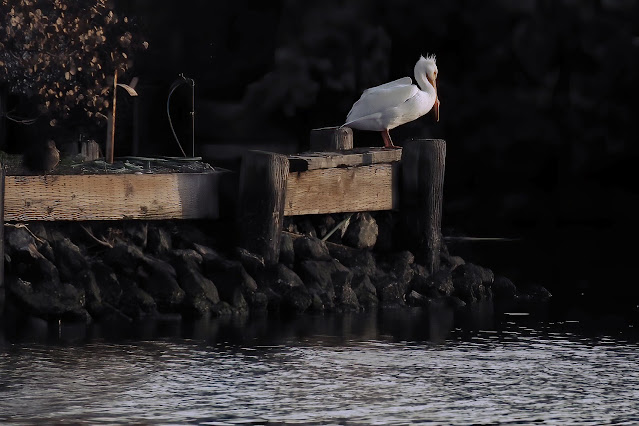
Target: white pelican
(389,105)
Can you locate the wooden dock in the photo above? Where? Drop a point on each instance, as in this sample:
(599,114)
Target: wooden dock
(270,186)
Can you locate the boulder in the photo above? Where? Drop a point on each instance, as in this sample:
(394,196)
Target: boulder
(70,260)
(361,261)
(362,232)
(136,231)
(227,276)
(309,248)
(49,302)
(158,240)
(450,262)
(200,292)
(159,279)
(85,281)
(472,282)
(504,289)
(287,252)
(436,285)
(389,291)
(252,263)
(124,258)
(297,300)
(135,302)
(365,291)
(285,279)
(317,277)
(107,282)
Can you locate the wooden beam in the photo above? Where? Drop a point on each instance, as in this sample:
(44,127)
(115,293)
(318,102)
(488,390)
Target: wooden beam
(260,212)
(2,218)
(423,163)
(331,139)
(112,197)
(354,157)
(351,189)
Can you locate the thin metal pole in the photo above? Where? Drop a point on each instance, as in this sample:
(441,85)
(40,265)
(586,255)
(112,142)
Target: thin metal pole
(192,117)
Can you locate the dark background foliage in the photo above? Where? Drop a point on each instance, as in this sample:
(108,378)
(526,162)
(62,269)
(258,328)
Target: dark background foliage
(538,99)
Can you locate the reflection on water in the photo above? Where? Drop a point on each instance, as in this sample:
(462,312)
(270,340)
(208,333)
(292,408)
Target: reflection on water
(393,367)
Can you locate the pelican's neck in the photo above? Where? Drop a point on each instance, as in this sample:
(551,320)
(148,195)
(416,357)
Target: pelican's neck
(424,84)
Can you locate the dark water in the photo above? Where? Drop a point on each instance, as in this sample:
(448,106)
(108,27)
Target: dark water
(394,367)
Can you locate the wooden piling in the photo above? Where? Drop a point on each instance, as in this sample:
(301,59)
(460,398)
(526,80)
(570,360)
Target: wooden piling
(1,227)
(260,212)
(423,164)
(331,139)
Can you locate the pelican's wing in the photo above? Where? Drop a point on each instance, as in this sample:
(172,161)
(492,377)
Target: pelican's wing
(382,97)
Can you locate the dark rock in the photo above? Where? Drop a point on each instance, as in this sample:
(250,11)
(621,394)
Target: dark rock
(158,278)
(222,309)
(137,232)
(258,301)
(536,293)
(389,291)
(238,302)
(365,291)
(471,281)
(158,240)
(53,302)
(360,260)
(305,227)
(200,292)
(290,225)
(135,302)
(454,302)
(124,258)
(436,285)
(316,275)
(287,252)
(309,248)
(400,265)
(85,281)
(450,262)
(285,280)
(227,276)
(362,231)
(297,300)
(70,260)
(19,243)
(504,289)
(345,297)
(252,263)
(211,259)
(184,256)
(107,282)
(417,299)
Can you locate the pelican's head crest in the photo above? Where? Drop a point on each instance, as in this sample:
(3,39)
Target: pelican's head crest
(429,58)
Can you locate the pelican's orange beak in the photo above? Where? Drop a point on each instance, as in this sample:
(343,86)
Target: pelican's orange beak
(436,106)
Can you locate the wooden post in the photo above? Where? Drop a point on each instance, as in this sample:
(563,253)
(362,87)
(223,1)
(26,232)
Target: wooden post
(423,164)
(1,227)
(111,123)
(260,212)
(331,139)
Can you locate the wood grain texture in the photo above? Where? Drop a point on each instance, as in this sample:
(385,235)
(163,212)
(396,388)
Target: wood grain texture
(112,197)
(423,165)
(260,212)
(355,157)
(331,139)
(351,189)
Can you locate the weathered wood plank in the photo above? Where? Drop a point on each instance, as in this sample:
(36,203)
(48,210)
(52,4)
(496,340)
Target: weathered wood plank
(354,157)
(351,189)
(260,215)
(331,139)
(112,197)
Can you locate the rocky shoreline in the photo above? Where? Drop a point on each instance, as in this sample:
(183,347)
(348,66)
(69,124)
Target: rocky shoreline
(93,271)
